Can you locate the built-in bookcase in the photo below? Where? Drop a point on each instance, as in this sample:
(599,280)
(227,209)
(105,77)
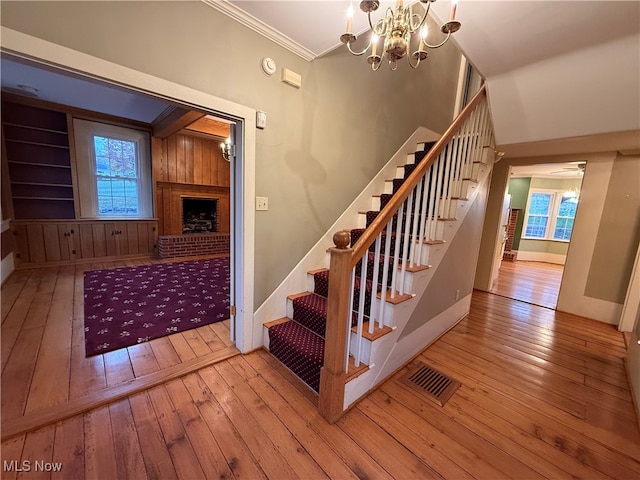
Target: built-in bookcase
(38,156)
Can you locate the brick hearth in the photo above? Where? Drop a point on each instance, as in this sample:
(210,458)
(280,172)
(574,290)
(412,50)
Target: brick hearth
(192,244)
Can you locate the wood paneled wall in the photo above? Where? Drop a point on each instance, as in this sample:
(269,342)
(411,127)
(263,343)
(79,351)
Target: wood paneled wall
(193,166)
(190,160)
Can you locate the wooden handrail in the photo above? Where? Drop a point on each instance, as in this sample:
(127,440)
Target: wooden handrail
(380,222)
(343,261)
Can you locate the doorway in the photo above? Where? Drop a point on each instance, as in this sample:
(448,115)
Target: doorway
(53,56)
(537,222)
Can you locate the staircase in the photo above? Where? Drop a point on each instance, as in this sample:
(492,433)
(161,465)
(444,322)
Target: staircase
(347,322)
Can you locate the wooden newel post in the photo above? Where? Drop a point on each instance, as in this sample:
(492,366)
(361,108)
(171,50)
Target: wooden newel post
(332,375)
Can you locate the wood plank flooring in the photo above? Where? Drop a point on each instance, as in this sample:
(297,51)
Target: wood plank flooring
(544,395)
(532,282)
(42,344)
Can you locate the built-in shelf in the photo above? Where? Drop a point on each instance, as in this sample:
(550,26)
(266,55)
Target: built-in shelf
(36,143)
(38,164)
(30,127)
(42,184)
(65,199)
(39,144)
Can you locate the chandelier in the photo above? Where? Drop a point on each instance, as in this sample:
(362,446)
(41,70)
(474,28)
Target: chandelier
(397,28)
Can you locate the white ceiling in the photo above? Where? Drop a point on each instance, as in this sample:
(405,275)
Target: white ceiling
(53,85)
(554,69)
(549,170)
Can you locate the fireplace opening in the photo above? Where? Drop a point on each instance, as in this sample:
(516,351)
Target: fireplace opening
(199,215)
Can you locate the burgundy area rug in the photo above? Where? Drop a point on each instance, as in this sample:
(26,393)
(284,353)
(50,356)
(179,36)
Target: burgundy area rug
(130,305)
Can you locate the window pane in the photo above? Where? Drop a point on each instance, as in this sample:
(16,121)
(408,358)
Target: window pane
(105,205)
(564,222)
(117,176)
(540,203)
(536,227)
(568,207)
(539,206)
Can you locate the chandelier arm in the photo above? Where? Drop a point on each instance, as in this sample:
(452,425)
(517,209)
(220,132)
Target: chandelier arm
(357,53)
(411,64)
(379,28)
(439,44)
(413,29)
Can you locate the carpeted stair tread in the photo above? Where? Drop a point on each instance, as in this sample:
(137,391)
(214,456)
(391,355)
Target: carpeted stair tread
(311,312)
(321,282)
(300,349)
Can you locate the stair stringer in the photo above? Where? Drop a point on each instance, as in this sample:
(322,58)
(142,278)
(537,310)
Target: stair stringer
(296,281)
(389,353)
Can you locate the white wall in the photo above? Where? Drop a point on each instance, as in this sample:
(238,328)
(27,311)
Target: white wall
(550,98)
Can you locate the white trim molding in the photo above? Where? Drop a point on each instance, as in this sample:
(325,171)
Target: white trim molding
(258,26)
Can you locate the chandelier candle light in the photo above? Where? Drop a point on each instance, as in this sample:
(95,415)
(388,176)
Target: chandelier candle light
(397,28)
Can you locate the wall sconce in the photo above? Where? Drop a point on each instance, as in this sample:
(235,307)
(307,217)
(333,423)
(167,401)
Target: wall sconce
(228,150)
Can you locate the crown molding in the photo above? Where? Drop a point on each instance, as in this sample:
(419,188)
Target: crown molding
(258,26)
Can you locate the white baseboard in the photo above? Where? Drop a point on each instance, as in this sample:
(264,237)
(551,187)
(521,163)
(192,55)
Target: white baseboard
(541,257)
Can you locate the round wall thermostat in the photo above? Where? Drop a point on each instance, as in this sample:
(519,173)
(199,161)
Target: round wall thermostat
(269,65)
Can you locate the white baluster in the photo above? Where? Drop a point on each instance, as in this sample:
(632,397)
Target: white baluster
(374,283)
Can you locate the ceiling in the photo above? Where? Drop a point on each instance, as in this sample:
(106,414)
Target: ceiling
(550,170)
(30,79)
(555,70)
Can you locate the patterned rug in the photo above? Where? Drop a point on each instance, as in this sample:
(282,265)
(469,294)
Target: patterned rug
(126,306)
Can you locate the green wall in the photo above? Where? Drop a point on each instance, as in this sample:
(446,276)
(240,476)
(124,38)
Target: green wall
(323,142)
(519,191)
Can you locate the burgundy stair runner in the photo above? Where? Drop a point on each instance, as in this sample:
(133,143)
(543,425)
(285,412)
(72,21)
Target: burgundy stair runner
(299,342)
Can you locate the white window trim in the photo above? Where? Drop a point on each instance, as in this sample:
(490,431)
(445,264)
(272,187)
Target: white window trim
(553,215)
(84,131)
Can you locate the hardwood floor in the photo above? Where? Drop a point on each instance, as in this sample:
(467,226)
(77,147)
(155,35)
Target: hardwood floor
(544,395)
(43,355)
(532,282)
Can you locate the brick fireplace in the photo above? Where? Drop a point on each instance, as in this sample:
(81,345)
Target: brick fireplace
(189,244)
(194,220)
(199,215)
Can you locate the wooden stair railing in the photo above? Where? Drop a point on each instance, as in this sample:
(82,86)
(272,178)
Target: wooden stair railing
(468,134)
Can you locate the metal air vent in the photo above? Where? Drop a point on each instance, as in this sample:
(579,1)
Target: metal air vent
(430,383)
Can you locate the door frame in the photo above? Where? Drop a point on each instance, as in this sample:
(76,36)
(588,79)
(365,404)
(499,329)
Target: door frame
(243,168)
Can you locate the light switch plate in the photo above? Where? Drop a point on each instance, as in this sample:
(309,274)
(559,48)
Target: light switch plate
(261,119)
(262,203)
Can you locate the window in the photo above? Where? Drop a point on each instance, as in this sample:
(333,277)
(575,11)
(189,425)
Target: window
(113,171)
(550,215)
